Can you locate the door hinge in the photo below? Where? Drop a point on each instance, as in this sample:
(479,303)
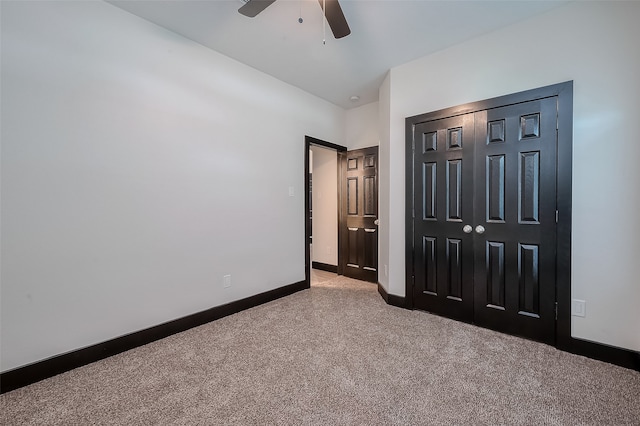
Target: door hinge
(556,216)
(556,311)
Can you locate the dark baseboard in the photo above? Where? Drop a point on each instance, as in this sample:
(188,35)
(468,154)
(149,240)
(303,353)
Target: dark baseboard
(28,374)
(324,267)
(391,299)
(622,357)
(611,354)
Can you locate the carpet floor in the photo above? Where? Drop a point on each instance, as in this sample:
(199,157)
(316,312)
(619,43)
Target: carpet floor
(335,354)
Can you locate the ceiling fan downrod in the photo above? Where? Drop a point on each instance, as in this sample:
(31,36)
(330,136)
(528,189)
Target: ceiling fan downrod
(324,22)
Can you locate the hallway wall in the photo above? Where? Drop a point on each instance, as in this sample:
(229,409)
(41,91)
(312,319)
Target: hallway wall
(325,206)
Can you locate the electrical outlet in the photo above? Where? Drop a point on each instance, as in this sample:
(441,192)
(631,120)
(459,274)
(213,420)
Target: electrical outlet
(291,191)
(578,308)
(386,270)
(226,281)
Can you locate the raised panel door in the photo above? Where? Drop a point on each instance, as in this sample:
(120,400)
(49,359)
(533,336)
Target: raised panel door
(443,188)
(515,198)
(359,253)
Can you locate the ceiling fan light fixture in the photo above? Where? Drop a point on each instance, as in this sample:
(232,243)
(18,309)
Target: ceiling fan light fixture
(331,11)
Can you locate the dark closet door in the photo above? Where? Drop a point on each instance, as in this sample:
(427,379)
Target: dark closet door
(443,188)
(359,214)
(515,220)
(484,217)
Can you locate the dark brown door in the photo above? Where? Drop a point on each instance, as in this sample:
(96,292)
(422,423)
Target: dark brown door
(443,170)
(515,199)
(358,255)
(484,218)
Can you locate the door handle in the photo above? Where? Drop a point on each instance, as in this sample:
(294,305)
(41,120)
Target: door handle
(480,229)
(467,229)
(376,222)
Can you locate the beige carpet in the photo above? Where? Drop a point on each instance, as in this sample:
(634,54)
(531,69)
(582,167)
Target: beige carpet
(334,354)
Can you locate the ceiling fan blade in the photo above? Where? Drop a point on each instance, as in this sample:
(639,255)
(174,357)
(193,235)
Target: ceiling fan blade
(253,7)
(335,18)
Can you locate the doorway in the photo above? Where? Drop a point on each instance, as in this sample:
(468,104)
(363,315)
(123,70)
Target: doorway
(489,211)
(339,151)
(356,212)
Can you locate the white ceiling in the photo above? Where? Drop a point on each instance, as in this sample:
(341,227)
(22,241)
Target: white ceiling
(384,34)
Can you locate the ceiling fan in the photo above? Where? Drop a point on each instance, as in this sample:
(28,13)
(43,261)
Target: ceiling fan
(331,8)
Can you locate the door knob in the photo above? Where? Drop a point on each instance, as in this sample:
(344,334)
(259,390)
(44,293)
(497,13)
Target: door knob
(480,229)
(467,229)
(376,222)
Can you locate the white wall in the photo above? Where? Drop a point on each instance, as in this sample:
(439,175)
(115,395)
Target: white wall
(594,44)
(384,156)
(362,126)
(325,205)
(138,168)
